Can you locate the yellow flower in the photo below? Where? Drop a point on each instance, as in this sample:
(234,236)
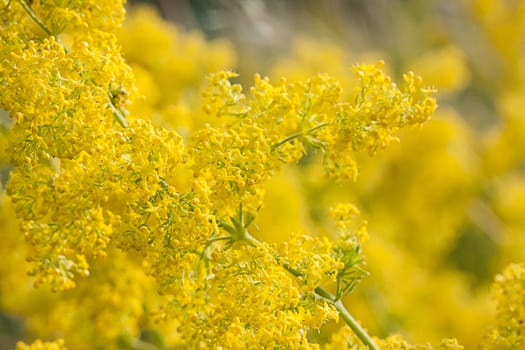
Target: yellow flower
(509,294)
(40,345)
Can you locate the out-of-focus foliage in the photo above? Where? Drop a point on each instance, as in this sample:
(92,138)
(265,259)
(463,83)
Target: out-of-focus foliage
(445,206)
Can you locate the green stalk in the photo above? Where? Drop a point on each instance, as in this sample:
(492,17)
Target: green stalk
(35,18)
(347,317)
(118,114)
(297,134)
(355,326)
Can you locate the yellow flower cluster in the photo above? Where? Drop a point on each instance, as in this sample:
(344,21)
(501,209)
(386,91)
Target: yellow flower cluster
(88,178)
(51,143)
(159,223)
(239,278)
(315,113)
(233,162)
(107,308)
(345,339)
(40,345)
(424,199)
(509,293)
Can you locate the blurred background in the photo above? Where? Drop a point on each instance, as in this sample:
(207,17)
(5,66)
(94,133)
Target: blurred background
(445,206)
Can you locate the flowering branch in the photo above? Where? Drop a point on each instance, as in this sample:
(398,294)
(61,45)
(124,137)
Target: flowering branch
(238,231)
(332,299)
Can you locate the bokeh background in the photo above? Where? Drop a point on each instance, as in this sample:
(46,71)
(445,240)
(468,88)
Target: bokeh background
(445,206)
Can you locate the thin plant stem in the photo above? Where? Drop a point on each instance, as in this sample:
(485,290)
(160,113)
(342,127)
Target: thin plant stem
(41,24)
(355,326)
(35,18)
(298,134)
(118,114)
(7,5)
(347,317)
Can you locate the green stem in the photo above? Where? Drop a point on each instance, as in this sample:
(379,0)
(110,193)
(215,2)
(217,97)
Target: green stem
(297,134)
(41,24)
(329,297)
(355,326)
(119,116)
(35,18)
(7,5)
(320,291)
(217,239)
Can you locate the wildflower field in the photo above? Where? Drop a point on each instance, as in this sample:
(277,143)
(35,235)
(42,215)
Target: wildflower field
(262,175)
